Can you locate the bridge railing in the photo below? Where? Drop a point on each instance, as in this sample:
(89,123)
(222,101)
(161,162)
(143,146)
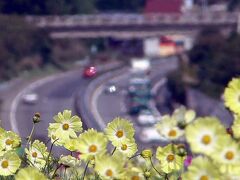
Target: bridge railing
(132,19)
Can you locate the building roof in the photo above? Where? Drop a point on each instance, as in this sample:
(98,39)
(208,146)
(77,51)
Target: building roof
(163,6)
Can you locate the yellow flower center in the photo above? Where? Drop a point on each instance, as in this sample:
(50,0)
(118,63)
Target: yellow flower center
(206,139)
(34,154)
(172,133)
(65,126)
(92,148)
(229,155)
(135,178)
(109,173)
(204,177)
(9,142)
(119,133)
(4,164)
(124,147)
(170,157)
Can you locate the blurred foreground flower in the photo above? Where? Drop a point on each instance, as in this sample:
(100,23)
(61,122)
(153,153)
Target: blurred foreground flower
(232,95)
(109,167)
(30,173)
(169,129)
(9,163)
(9,141)
(205,134)
(202,169)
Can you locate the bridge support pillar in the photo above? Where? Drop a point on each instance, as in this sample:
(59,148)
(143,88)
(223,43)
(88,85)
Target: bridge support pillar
(238,24)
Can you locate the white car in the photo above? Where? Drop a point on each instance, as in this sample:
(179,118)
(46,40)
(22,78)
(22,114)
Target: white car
(146,117)
(30,98)
(110,88)
(150,134)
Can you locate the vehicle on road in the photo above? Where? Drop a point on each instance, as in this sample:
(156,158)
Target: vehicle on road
(110,88)
(90,71)
(146,118)
(150,134)
(135,108)
(30,98)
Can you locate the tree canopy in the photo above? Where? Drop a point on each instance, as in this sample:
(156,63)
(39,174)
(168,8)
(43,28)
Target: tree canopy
(40,7)
(215,59)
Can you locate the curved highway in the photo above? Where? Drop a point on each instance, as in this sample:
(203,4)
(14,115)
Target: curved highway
(59,92)
(55,93)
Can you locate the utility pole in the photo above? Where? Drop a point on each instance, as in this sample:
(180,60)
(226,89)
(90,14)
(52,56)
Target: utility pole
(238,24)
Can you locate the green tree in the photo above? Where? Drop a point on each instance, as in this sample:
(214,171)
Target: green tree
(123,5)
(216,59)
(41,7)
(19,40)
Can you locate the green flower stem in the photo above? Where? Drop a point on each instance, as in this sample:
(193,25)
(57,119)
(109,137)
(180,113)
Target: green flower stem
(113,150)
(55,171)
(134,156)
(155,168)
(50,152)
(85,170)
(30,136)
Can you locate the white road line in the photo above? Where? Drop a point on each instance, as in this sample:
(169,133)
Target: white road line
(16,100)
(95,97)
(158,85)
(94,108)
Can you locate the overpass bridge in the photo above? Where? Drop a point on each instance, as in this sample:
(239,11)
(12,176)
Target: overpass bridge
(124,26)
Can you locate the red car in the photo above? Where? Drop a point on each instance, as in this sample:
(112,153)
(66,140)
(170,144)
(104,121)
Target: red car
(89,72)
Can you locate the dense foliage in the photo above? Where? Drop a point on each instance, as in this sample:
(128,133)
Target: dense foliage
(67,6)
(197,148)
(22,46)
(213,61)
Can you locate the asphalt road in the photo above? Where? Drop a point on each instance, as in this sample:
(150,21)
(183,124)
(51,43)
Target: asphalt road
(108,106)
(55,93)
(54,96)
(59,92)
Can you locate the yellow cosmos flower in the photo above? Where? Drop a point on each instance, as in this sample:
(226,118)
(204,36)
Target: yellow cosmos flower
(37,154)
(184,116)
(236,126)
(168,158)
(204,134)
(227,155)
(128,148)
(134,173)
(91,143)
(9,141)
(71,144)
(57,140)
(202,169)
(30,173)
(119,130)
(109,167)
(66,125)
(1,130)
(232,95)
(69,161)
(9,163)
(168,128)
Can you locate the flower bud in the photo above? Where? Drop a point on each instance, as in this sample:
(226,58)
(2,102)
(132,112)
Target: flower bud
(36,118)
(147,174)
(229,131)
(147,153)
(181,150)
(181,125)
